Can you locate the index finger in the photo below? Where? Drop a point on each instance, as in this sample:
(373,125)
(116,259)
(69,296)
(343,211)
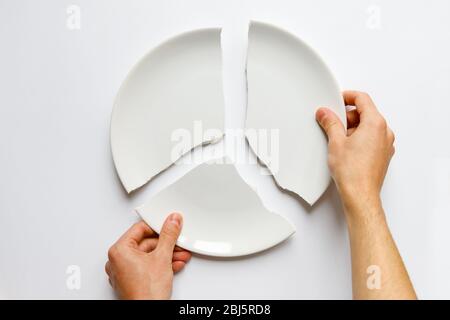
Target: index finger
(137,232)
(361,100)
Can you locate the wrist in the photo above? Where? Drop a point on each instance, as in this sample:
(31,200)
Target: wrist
(362,208)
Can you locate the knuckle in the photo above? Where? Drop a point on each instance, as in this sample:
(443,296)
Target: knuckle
(380,123)
(391,136)
(332,164)
(113,253)
(138,225)
(365,98)
(170,232)
(330,124)
(333,160)
(107,268)
(364,95)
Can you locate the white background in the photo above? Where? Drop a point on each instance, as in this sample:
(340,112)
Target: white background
(62,204)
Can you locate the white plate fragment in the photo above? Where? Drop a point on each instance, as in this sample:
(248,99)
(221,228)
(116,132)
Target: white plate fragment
(223,216)
(175,88)
(287,82)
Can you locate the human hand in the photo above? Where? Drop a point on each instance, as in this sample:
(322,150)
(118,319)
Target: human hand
(359,158)
(141,265)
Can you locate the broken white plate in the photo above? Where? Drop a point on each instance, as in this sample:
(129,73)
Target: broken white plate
(287,81)
(171,92)
(222,215)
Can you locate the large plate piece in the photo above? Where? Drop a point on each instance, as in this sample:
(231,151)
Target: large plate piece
(171,92)
(223,216)
(287,82)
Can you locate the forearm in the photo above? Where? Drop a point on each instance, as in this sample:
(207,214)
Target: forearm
(378,271)
(358,159)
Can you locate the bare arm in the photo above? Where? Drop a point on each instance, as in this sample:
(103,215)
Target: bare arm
(358,159)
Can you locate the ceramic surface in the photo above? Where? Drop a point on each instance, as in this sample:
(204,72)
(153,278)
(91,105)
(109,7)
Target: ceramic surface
(223,216)
(171,90)
(287,82)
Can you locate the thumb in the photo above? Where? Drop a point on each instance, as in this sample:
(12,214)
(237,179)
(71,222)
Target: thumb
(330,123)
(168,236)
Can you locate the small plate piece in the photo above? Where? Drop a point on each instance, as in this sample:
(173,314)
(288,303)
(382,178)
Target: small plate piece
(222,215)
(173,88)
(287,81)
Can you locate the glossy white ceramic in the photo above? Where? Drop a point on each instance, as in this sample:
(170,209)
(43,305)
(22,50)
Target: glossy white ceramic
(223,216)
(287,82)
(174,88)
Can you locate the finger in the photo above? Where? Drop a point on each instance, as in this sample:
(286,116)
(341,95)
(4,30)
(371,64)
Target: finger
(184,256)
(177,266)
(177,248)
(391,135)
(137,232)
(108,268)
(169,234)
(352,119)
(330,123)
(361,100)
(148,244)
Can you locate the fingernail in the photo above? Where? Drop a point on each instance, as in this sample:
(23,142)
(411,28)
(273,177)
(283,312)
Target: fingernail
(320,114)
(175,218)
